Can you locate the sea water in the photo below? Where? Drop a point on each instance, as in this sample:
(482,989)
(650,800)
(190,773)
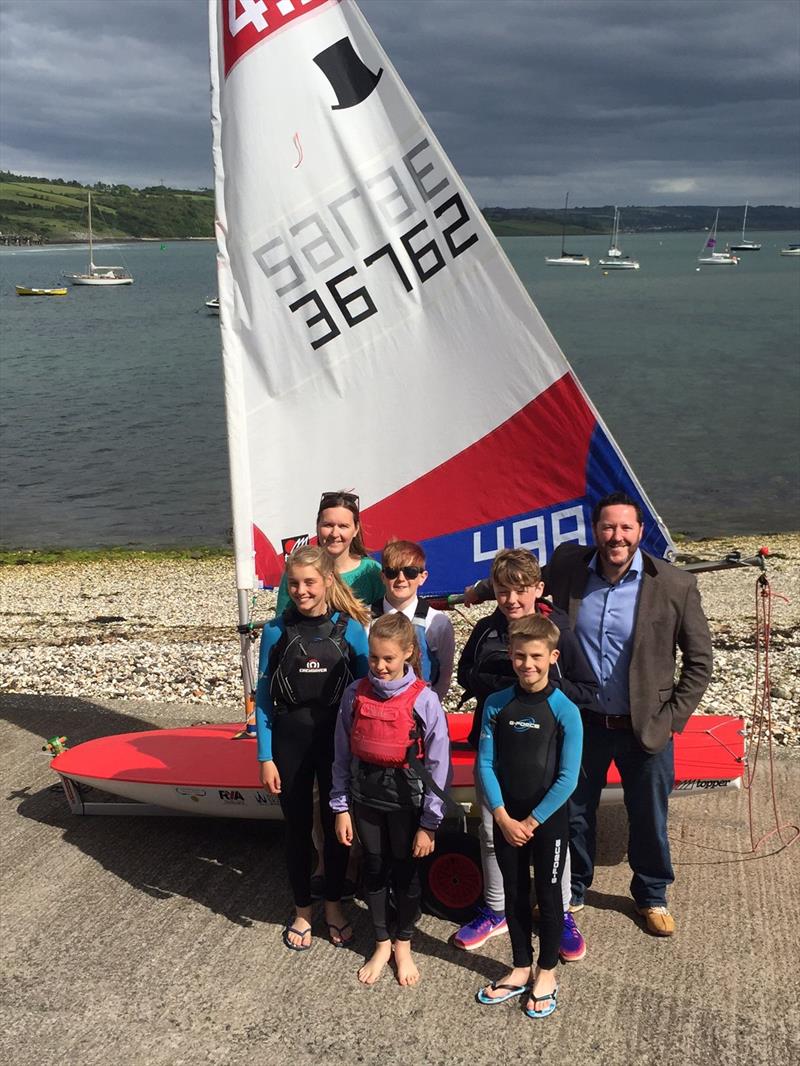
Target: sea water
(112,415)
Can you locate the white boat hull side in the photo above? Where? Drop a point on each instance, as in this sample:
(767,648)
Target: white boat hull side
(569,261)
(615,264)
(76,280)
(257,803)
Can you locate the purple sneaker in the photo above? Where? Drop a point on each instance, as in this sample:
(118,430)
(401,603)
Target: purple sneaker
(572,946)
(485,924)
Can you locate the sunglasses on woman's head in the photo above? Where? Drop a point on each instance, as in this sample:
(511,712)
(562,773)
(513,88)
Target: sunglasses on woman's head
(410,572)
(331,499)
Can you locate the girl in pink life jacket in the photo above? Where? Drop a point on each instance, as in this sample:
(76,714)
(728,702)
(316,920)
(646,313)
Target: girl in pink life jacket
(396,816)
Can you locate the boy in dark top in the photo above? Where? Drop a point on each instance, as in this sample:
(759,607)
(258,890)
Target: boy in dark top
(528,762)
(485,668)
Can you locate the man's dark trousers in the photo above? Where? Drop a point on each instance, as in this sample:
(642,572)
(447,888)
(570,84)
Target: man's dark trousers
(647,781)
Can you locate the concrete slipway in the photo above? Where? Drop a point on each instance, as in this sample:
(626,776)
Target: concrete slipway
(130,941)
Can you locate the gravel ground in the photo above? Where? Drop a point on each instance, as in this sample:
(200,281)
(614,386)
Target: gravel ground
(165,630)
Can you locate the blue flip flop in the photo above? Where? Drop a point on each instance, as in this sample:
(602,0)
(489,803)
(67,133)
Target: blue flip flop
(551,996)
(490,1001)
(303,933)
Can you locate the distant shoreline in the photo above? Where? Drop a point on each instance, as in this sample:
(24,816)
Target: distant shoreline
(687,547)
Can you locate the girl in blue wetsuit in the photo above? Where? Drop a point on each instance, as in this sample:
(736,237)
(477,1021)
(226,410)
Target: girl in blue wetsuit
(529,755)
(308,657)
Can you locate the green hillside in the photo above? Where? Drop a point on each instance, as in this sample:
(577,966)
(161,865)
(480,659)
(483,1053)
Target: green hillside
(56,210)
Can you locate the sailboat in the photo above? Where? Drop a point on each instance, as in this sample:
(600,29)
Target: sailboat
(568,258)
(713,258)
(616,260)
(99,275)
(339,269)
(744,245)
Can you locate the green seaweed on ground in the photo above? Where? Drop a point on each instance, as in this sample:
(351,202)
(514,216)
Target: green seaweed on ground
(48,556)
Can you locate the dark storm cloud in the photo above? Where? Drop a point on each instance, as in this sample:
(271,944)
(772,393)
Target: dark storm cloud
(617,100)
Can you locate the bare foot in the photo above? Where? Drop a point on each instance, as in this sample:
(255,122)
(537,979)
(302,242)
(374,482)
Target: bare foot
(339,928)
(544,982)
(302,923)
(373,967)
(520,977)
(406,968)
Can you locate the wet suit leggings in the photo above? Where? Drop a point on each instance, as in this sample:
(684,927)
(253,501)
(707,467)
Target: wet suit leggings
(303,750)
(387,838)
(547,848)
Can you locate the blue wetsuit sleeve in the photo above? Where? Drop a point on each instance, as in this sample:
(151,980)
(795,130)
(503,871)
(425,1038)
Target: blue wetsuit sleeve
(356,637)
(270,636)
(283,596)
(485,761)
(569,721)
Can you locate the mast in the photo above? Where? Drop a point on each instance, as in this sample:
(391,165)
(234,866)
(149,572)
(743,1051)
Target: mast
(564,223)
(91,251)
(744,220)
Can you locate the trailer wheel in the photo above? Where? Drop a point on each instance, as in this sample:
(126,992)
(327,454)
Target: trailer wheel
(452,877)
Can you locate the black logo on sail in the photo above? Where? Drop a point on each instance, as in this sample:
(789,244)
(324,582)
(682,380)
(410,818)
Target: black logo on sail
(350,77)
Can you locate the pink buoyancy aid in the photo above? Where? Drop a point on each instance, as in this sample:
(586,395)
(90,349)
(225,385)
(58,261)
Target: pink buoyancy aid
(383,730)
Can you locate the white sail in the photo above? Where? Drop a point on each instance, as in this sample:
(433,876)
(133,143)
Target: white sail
(374,334)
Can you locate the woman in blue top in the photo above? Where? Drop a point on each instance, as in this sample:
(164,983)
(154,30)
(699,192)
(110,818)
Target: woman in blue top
(308,656)
(339,533)
(529,755)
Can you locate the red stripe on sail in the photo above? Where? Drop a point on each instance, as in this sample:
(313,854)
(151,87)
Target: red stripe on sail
(535,459)
(268,564)
(245,23)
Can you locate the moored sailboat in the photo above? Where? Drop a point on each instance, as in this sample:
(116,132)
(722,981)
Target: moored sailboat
(714,258)
(567,258)
(616,260)
(744,245)
(99,275)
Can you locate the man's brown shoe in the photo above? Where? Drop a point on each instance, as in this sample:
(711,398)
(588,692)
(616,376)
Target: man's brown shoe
(658,920)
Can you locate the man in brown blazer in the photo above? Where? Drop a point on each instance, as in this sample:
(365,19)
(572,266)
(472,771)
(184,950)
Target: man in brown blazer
(631,612)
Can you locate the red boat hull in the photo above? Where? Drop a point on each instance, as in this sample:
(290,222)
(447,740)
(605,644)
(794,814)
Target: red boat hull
(204,770)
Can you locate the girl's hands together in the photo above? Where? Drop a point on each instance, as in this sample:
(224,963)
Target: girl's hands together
(424,843)
(344,828)
(270,778)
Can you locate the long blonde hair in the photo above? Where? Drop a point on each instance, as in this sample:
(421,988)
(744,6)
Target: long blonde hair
(338,596)
(397,627)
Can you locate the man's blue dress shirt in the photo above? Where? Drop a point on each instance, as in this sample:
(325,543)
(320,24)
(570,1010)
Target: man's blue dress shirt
(604,627)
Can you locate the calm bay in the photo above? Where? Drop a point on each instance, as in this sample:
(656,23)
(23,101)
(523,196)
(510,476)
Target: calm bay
(112,417)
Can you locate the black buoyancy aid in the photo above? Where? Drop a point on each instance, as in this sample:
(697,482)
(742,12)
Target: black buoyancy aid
(311,667)
(383,730)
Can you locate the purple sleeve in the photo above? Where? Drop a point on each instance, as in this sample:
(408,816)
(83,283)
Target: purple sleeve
(340,792)
(436,739)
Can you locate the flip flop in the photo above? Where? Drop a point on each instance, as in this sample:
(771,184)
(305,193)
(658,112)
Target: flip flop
(303,933)
(490,1001)
(338,929)
(551,996)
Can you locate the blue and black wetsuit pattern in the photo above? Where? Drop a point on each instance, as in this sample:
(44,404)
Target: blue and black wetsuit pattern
(528,759)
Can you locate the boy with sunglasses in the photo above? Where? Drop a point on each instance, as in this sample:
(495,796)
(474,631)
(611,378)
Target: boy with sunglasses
(403,573)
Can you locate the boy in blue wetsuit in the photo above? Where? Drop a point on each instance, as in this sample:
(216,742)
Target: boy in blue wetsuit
(485,668)
(529,755)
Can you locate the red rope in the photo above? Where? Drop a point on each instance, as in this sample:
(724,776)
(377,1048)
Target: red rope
(761,730)
(762,722)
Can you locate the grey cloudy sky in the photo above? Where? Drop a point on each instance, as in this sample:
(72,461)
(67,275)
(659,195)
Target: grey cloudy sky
(628,101)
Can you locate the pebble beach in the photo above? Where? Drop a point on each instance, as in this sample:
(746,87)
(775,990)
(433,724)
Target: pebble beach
(155,629)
